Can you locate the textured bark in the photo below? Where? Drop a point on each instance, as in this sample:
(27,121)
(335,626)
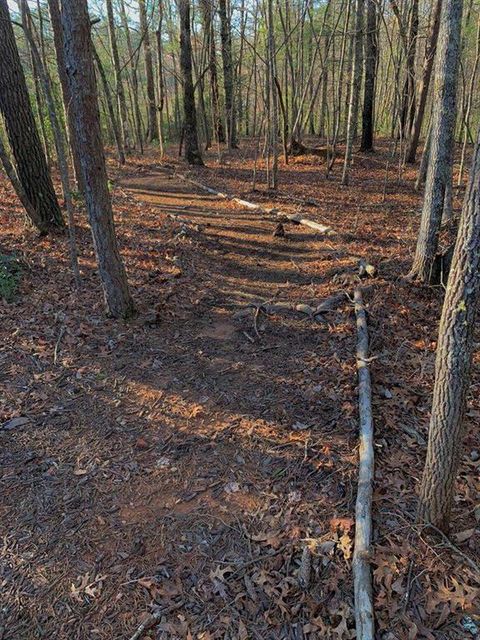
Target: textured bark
(81,78)
(443,125)
(62,74)
(370,72)
(425,83)
(355,85)
(31,165)
(226,37)
(147,52)
(453,362)
(192,151)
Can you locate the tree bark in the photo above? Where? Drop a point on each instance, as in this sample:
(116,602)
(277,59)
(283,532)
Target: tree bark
(192,150)
(147,51)
(453,362)
(226,38)
(31,165)
(370,73)
(443,125)
(67,98)
(81,78)
(355,85)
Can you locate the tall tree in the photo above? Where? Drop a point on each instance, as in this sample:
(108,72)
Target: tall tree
(443,125)
(81,78)
(453,362)
(370,73)
(228,73)
(122,103)
(31,164)
(429,58)
(356,82)
(207,15)
(192,150)
(147,51)
(62,75)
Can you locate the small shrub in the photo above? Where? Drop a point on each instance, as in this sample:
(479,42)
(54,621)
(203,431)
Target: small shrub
(10,276)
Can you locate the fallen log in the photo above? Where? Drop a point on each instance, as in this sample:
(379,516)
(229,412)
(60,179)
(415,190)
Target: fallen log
(362,576)
(271,308)
(296,218)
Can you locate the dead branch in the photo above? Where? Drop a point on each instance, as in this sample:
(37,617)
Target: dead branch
(296,218)
(362,577)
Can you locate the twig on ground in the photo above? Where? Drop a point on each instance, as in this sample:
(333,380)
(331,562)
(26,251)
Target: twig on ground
(154,618)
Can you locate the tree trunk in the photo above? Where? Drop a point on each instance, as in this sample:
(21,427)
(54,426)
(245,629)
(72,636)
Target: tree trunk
(453,362)
(354,89)
(226,37)
(81,78)
(408,105)
(192,151)
(370,72)
(134,78)
(207,14)
(425,83)
(443,125)
(122,104)
(151,110)
(57,135)
(62,74)
(22,132)
(110,108)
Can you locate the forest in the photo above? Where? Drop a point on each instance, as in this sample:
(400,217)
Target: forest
(239,354)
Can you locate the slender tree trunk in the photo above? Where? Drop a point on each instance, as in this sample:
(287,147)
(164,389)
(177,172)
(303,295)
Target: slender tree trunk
(22,132)
(370,73)
(226,37)
(67,98)
(408,105)
(134,78)
(273,125)
(453,362)
(58,137)
(355,89)
(110,108)
(207,14)
(192,150)
(152,112)
(425,83)
(81,78)
(442,139)
(122,103)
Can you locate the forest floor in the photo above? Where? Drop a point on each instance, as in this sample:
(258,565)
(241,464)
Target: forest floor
(200,461)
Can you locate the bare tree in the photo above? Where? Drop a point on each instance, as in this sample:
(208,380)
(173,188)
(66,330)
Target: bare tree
(370,73)
(192,150)
(81,78)
(355,85)
(441,139)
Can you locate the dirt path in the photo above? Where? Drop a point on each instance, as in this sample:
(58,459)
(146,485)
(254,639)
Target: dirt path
(201,461)
(189,459)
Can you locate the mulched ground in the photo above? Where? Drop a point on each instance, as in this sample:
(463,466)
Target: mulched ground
(200,461)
